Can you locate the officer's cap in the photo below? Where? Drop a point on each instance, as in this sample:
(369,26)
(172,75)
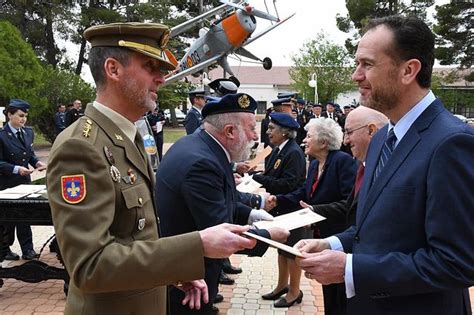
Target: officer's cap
(300,101)
(284,120)
(286,95)
(282,102)
(146,38)
(347,106)
(230,103)
(318,105)
(330,103)
(197,93)
(20,104)
(225,86)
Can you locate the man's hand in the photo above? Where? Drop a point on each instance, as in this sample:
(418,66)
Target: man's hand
(305,205)
(194,291)
(23,171)
(327,267)
(312,246)
(237,179)
(270,202)
(244,167)
(223,240)
(278,234)
(40,166)
(259,215)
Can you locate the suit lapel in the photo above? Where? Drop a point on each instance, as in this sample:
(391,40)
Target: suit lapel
(399,155)
(14,140)
(119,139)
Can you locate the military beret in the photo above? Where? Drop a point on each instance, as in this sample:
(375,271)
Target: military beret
(284,120)
(20,104)
(282,102)
(300,101)
(197,93)
(146,38)
(224,86)
(230,103)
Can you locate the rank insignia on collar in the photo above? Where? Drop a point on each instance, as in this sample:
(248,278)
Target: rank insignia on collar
(118,137)
(277,163)
(86,129)
(73,188)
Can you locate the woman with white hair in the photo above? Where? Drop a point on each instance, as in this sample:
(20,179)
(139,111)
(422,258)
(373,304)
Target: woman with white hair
(331,176)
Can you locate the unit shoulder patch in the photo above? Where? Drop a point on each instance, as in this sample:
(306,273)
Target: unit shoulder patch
(73,188)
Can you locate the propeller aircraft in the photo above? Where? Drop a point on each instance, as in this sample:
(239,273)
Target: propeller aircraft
(229,34)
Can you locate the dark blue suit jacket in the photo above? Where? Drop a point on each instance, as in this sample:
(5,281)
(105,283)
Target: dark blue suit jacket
(288,175)
(13,152)
(195,189)
(413,243)
(192,121)
(334,184)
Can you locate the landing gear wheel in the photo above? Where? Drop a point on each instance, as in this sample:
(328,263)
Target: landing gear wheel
(267,63)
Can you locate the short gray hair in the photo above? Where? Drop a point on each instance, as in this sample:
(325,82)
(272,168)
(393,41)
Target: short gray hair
(286,132)
(327,130)
(218,121)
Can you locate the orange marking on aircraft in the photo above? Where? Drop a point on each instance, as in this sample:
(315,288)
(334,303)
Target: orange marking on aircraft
(235,33)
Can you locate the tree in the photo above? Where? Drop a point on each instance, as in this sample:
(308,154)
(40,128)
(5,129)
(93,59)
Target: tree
(173,95)
(330,62)
(455,30)
(360,11)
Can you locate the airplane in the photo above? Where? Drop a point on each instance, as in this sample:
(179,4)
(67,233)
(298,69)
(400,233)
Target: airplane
(227,35)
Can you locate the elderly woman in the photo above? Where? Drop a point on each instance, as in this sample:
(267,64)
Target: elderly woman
(284,172)
(331,176)
(16,153)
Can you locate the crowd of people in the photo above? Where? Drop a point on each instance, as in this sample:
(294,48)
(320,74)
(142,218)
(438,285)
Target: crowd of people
(390,177)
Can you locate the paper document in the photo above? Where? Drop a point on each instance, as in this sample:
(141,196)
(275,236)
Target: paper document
(292,220)
(159,127)
(38,175)
(248,185)
(21,191)
(260,157)
(275,244)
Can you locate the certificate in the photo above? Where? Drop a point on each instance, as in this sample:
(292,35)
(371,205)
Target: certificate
(292,220)
(248,185)
(260,157)
(275,244)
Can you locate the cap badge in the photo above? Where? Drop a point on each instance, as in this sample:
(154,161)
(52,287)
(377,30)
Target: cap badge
(244,101)
(164,38)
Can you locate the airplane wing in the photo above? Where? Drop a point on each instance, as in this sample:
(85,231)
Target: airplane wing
(265,31)
(192,70)
(178,29)
(244,52)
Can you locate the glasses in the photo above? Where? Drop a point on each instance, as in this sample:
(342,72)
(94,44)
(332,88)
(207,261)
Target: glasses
(348,132)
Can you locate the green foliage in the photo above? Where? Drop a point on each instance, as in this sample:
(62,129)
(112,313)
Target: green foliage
(173,95)
(330,62)
(361,11)
(455,40)
(22,73)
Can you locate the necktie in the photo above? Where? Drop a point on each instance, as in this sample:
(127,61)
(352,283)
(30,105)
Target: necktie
(359,178)
(315,183)
(19,135)
(386,152)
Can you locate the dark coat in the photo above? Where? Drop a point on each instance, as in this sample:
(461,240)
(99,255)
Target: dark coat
(334,184)
(13,152)
(413,249)
(195,189)
(192,121)
(285,175)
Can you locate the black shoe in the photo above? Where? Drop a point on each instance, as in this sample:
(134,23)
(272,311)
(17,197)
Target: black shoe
(275,295)
(30,255)
(11,255)
(215,310)
(231,269)
(282,302)
(219,298)
(225,279)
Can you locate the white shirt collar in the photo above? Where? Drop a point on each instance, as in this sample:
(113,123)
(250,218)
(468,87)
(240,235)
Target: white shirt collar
(402,126)
(13,128)
(199,111)
(127,127)
(281,146)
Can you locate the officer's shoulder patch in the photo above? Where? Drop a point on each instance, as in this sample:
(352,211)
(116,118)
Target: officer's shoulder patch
(73,188)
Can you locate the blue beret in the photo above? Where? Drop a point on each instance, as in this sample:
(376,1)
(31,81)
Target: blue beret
(300,101)
(20,104)
(286,95)
(282,101)
(284,120)
(211,98)
(197,92)
(230,103)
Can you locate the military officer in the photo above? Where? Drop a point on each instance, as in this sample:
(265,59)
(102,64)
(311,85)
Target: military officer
(193,118)
(16,154)
(100,187)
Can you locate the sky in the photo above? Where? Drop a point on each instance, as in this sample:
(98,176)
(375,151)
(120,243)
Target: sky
(312,16)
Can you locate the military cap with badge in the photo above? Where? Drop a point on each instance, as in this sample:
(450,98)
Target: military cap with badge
(20,104)
(230,103)
(224,86)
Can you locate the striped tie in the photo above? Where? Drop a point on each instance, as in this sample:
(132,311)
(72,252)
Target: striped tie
(387,150)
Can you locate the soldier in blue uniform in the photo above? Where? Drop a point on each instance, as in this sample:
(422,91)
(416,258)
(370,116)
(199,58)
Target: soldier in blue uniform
(194,118)
(16,154)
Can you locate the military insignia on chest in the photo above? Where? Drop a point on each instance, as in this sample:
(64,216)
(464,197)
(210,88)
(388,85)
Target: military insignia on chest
(277,164)
(113,171)
(73,188)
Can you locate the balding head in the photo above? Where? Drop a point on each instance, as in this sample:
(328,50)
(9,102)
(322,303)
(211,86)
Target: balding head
(361,124)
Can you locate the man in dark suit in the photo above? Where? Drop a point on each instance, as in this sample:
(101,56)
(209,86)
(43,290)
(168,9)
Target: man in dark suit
(74,113)
(193,118)
(195,187)
(317,111)
(411,251)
